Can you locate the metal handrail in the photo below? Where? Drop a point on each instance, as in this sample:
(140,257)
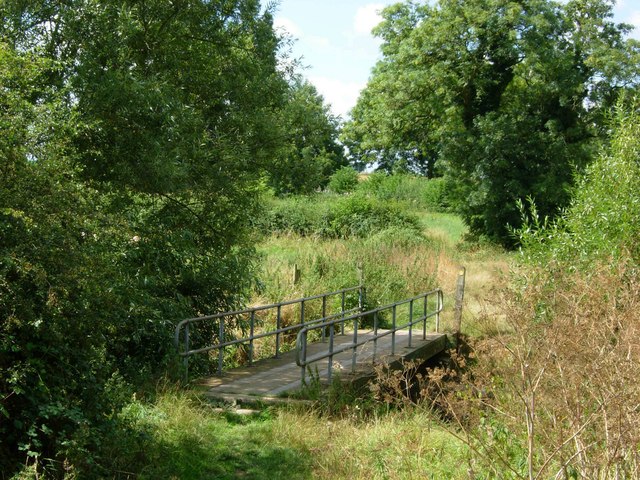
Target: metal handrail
(301,340)
(183,327)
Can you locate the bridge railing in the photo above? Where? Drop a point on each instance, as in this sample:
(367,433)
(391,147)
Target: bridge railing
(220,324)
(420,308)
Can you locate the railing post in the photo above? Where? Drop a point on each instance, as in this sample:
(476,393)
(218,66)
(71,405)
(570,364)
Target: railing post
(375,334)
(278,321)
(459,299)
(393,330)
(438,310)
(186,357)
(220,350)
(355,342)
(324,314)
(342,312)
(304,357)
(361,289)
(251,330)
(424,320)
(330,367)
(296,274)
(410,320)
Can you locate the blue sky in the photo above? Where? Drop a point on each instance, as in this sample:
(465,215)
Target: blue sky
(334,41)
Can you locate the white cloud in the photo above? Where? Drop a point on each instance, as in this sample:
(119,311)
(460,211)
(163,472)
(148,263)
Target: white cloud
(319,42)
(634,19)
(284,24)
(341,95)
(367,17)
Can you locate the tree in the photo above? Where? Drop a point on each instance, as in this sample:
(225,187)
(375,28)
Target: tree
(503,96)
(311,152)
(134,137)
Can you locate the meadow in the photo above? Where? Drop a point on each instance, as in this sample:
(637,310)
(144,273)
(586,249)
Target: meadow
(342,434)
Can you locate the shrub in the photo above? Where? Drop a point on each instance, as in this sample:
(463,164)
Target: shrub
(332,217)
(360,216)
(413,190)
(344,180)
(602,222)
(561,378)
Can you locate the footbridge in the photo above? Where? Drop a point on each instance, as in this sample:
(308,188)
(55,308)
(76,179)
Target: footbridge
(265,352)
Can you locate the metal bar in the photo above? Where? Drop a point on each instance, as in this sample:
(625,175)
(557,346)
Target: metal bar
(410,320)
(251,330)
(359,343)
(438,312)
(186,357)
(355,344)
(424,320)
(330,367)
(263,307)
(393,330)
(267,334)
(342,317)
(278,320)
(375,334)
(304,358)
(324,315)
(220,350)
(342,311)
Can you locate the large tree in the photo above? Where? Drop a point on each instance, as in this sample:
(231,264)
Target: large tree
(310,150)
(135,134)
(502,97)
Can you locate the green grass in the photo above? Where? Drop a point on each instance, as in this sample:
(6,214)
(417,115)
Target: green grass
(184,438)
(180,437)
(447,226)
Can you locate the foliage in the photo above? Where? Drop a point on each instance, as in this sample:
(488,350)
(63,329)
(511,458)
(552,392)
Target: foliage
(310,152)
(331,217)
(360,216)
(413,190)
(603,221)
(136,134)
(557,378)
(505,99)
(344,180)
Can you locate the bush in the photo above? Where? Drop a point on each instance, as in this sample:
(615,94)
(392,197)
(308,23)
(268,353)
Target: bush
(93,277)
(344,180)
(332,217)
(602,224)
(415,191)
(561,378)
(359,216)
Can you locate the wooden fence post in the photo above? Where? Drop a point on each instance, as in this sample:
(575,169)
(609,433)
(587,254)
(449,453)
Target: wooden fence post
(458,307)
(296,274)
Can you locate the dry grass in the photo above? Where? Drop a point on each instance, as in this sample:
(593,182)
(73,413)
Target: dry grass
(560,385)
(402,445)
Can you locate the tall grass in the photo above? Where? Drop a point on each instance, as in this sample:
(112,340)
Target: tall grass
(181,437)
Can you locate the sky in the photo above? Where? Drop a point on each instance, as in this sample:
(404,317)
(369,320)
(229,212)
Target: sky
(334,42)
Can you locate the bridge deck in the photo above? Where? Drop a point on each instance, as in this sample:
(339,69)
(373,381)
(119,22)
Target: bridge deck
(274,377)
